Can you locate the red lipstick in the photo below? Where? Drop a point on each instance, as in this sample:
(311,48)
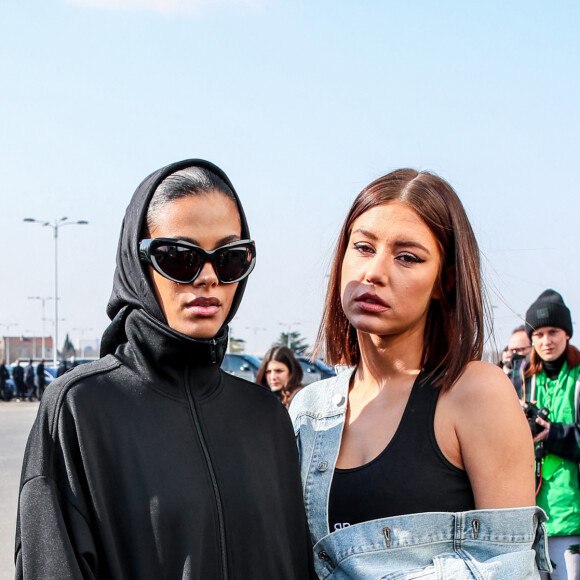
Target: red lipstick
(204,307)
(371,303)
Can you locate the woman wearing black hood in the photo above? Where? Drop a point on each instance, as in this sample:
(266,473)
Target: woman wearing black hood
(152,462)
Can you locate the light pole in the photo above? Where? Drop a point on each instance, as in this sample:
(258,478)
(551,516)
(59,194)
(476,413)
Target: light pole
(58,223)
(289,326)
(256,330)
(7,345)
(31,333)
(44,300)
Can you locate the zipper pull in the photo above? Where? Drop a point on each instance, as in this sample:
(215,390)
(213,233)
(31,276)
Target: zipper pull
(213,343)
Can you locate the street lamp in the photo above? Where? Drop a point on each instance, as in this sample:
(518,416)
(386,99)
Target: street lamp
(58,223)
(31,333)
(7,345)
(44,300)
(256,330)
(289,327)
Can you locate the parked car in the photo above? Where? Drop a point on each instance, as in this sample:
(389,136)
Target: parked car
(10,390)
(310,372)
(241,365)
(70,363)
(319,367)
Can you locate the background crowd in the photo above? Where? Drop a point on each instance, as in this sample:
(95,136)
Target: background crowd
(544,369)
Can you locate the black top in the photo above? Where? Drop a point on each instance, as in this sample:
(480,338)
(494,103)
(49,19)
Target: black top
(553,368)
(411,475)
(152,463)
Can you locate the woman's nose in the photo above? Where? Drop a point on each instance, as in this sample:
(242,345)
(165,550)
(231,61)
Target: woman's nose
(207,276)
(377,270)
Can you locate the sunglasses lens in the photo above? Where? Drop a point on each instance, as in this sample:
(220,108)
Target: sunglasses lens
(232,263)
(179,263)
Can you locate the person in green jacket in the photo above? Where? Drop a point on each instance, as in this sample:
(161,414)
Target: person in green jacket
(553,383)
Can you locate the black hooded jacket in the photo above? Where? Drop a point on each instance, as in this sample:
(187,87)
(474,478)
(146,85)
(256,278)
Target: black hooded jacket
(153,463)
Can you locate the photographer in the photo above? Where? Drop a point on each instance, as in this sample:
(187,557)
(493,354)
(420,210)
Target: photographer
(518,351)
(552,383)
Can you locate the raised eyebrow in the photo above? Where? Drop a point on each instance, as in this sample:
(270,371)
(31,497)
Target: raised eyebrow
(228,239)
(410,244)
(364,232)
(221,242)
(396,244)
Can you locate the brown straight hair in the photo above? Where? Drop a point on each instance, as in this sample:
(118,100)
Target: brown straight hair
(455,322)
(284,355)
(536,365)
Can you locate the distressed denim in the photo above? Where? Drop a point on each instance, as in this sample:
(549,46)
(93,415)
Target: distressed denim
(479,544)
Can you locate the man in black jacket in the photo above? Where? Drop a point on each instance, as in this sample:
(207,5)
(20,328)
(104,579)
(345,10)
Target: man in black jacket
(40,379)
(5,392)
(18,378)
(29,381)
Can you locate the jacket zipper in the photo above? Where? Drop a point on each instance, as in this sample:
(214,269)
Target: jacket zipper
(209,465)
(212,345)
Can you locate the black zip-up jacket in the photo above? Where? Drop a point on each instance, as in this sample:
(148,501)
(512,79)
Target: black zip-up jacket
(152,463)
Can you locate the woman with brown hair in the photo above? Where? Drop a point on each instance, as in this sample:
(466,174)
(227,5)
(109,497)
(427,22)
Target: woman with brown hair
(281,372)
(417,459)
(553,383)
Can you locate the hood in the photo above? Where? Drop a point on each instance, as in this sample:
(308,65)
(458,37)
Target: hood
(132,289)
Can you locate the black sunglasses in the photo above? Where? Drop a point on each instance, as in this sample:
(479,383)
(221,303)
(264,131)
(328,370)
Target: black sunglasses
(182,261)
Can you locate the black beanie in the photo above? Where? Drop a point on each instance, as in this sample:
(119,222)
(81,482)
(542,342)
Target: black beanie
(548,310)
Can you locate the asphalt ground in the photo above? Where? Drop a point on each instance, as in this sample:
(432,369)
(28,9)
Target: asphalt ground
(15,422)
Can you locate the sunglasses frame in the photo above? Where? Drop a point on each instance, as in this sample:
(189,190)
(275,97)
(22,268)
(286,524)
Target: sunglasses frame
(148,246)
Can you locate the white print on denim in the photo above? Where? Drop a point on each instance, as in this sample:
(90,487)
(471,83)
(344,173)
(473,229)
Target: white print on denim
(339,526)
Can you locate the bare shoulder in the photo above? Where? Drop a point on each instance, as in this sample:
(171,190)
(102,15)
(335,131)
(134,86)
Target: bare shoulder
(493,436)
(482,385)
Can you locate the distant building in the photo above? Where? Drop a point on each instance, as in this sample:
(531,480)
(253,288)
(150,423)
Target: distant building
(24,348)
(88,348)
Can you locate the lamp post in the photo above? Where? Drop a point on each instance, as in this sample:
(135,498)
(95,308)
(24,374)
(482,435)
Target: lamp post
(256,330)
(44,300)
(7,345)
(31,333)
(58,223)
(289,327)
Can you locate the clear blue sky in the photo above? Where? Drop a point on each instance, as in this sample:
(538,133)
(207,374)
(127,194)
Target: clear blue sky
(302,104)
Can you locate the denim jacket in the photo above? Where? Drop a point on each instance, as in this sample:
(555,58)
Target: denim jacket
(480,544)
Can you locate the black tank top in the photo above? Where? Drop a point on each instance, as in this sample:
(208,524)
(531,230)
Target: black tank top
(411,475)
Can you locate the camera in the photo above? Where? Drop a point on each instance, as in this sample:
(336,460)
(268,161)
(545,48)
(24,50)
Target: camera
(516,362)
(532,412)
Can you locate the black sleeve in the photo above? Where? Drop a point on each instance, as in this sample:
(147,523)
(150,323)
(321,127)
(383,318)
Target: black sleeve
(54,538)
(563,440)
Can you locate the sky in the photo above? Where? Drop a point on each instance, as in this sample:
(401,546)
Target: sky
(302,104)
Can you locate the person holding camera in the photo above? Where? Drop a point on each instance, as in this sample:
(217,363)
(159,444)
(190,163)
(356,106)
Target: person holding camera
(552,389)
(518,350)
